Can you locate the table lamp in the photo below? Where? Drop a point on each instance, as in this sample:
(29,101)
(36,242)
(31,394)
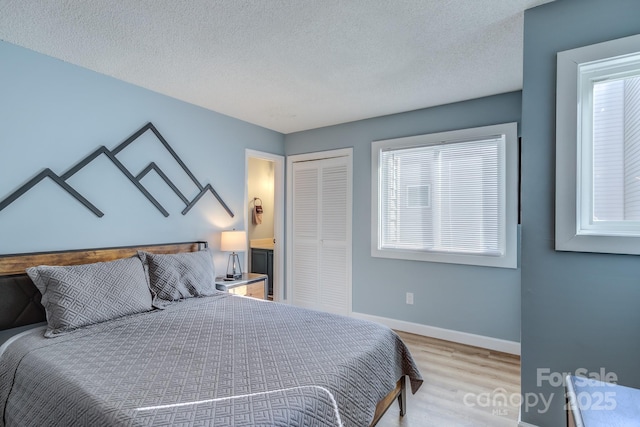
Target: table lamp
(233,241)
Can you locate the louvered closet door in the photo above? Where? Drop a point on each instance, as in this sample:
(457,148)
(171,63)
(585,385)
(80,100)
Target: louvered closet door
(321,235)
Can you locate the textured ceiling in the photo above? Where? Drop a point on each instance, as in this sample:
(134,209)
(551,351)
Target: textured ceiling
(287,65)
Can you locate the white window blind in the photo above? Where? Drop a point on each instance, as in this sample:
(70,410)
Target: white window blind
(462,213)
(616,150)
(445,197)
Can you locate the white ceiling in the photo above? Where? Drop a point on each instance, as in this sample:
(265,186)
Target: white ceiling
(287,65)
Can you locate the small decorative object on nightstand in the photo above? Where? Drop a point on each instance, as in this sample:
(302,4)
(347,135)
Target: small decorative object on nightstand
(249,284)
(233,241)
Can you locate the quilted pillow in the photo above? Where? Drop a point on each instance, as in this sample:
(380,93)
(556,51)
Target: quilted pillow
(177,276)
(81,295)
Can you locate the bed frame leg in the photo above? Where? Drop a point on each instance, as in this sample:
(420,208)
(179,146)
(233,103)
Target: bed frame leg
(402,397)
(398,392)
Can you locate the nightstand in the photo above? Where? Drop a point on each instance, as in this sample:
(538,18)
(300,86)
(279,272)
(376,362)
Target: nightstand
(252,285)
(593,403)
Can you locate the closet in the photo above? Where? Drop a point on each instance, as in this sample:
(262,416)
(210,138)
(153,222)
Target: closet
(320,227)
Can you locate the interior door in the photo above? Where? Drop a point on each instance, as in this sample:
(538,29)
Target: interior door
(321,235)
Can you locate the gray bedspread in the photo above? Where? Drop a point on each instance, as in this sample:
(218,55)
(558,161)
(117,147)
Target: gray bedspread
(220,360)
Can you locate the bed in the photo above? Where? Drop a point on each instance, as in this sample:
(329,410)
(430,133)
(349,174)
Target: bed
(201,359)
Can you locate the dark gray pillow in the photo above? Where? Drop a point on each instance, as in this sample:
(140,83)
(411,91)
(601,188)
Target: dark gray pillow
(81,295)
(177,276)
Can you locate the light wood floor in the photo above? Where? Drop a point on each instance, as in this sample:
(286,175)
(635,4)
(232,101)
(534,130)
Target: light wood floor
(463,386)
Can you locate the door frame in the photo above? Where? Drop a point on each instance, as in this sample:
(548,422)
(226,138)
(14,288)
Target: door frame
(306,157)
(278,215)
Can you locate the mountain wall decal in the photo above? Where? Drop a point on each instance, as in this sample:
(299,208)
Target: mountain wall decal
(136,180)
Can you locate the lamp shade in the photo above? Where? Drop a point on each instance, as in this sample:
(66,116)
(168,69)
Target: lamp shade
(233,241)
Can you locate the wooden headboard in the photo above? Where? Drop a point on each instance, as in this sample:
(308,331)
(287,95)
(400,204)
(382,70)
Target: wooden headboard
(19,297)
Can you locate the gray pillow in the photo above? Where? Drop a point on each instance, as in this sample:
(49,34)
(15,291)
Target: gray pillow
(81,295)
(177,276)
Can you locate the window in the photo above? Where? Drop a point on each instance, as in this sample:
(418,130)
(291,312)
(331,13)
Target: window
(598,148)
(419,196)
(447,197)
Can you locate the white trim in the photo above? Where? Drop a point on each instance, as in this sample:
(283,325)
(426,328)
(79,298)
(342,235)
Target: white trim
(490,343)
(522,423)
(306,157)
(573,406)
(508,132)
(278,220)
(570,234)
(319,155)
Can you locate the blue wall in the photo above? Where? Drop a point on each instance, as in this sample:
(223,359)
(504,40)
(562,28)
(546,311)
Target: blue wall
(579,310)
(52,114)
(477,300)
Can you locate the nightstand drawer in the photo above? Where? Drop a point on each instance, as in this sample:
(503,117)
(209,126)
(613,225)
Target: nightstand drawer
(254,290)
(250,285)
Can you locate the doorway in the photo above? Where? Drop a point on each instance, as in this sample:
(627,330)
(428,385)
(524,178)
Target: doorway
(264,216)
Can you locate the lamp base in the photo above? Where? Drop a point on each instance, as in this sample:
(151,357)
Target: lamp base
(234,271)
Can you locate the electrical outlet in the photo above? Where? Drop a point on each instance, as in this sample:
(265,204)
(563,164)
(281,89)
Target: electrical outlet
(409,297)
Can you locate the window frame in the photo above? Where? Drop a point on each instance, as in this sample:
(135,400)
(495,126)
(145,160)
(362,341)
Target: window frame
(509,259)
(577,69)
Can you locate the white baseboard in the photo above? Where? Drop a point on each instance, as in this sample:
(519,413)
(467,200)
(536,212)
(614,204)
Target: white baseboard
(522,423)
(496,344)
